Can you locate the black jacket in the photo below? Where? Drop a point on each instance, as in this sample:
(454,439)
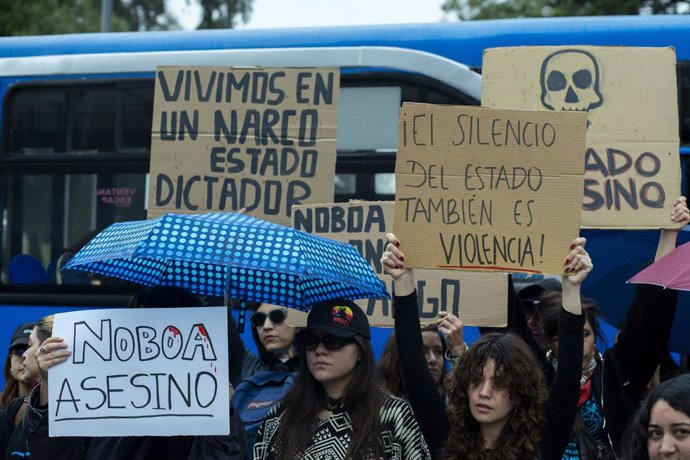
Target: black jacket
(13,444)
(134,448)
(620,382)
(429,408)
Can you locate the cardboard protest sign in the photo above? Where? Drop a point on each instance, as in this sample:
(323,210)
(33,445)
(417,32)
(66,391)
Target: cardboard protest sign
(226,138)
(479,299)
(632,166)
(486,189)
(141,372)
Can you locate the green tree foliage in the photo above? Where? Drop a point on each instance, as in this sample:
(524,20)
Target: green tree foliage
(45,17)
(219,14)
(496,9)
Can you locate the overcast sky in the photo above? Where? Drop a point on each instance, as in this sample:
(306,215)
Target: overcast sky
(301,13)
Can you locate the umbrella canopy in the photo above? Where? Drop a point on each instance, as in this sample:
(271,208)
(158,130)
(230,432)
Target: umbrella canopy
(233,254)
(671,271)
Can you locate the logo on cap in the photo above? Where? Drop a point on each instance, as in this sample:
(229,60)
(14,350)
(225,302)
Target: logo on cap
(342,315)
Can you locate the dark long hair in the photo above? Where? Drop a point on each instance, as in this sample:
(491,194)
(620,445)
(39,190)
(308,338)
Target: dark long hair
(361,400)
(390,372)
(676,392)
(11,389)
(517,371)
(550,310)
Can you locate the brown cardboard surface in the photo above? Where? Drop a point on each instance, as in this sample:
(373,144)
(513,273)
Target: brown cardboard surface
(632,175)
(486,189)
(296,318)
(479,299)
(225,138)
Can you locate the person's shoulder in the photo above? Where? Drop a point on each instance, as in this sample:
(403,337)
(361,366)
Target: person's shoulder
(392,406)
(14,405)
(276,411)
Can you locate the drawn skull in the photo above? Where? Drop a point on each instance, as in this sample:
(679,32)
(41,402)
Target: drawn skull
(570,81)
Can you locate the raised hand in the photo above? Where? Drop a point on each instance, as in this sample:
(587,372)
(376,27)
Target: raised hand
(452,329)
(53,351)
(393,260)
(578,264)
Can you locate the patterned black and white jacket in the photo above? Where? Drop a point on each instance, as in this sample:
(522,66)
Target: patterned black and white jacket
(400,435)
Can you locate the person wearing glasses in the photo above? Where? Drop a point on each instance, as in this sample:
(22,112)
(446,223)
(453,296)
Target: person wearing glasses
(336,410)
(13,443)
(16,383)
(269,377)
(13,403)
(273,337)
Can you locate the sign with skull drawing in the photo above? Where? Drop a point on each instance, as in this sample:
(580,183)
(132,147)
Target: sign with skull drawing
(632,166)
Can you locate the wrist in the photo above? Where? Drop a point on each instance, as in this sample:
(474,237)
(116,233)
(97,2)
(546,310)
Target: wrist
(455,354)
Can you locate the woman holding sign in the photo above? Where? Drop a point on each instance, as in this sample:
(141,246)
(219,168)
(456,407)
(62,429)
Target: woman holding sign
(498,396)
(46,351)
(336,410)
(612,386)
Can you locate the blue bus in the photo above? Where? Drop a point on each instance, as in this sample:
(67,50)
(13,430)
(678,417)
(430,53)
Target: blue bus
(76,127)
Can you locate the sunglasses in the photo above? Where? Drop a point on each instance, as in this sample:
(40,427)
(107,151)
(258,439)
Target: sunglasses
(332,342)
(18,351)
(276,316)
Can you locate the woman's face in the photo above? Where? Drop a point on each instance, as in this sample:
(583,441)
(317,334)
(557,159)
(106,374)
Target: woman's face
(332,367)
(17,364)
(433,351)
(588,346)
(668,435)
(275,336)
(31,371)
(490,403)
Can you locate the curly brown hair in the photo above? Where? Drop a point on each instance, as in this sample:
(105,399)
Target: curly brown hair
(518,372)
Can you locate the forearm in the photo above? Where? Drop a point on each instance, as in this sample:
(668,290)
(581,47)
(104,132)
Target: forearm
(426,403)
(571,298)
(667,243)
(645,333)
(565,390)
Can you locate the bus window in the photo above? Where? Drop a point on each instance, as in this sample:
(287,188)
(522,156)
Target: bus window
(80,118)
(72,209)
(38,121)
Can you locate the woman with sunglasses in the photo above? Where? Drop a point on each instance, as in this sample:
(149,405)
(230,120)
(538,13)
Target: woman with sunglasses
(13,440)
(273,337)
(336,410)
(267,379)
(16,383)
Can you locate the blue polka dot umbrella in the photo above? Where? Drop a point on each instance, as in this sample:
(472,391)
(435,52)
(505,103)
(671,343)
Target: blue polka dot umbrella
(234,254)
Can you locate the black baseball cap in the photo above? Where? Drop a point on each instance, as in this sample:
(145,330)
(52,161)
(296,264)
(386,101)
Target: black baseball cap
(535,290)
(21,335)
(339,317)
